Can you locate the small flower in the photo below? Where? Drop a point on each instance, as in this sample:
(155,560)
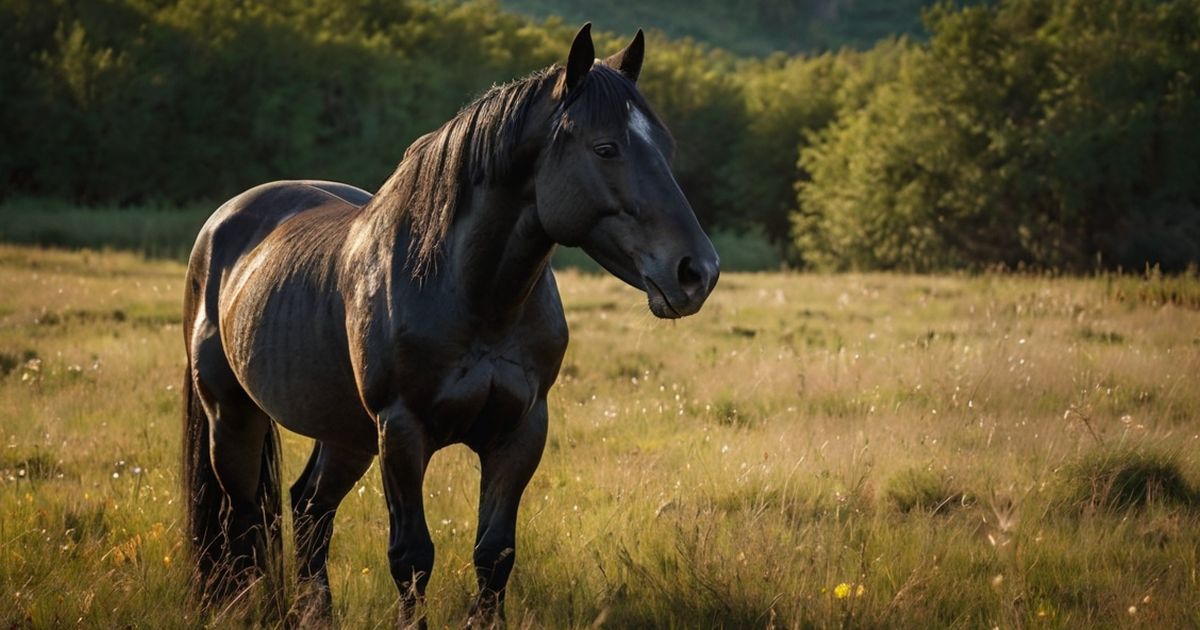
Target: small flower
(366,570)
(841,591)
(1133,610)
(858,592)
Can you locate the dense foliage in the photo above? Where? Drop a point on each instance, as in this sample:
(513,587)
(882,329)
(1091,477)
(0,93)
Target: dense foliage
(128,100)
(1052,133)
(1057,133)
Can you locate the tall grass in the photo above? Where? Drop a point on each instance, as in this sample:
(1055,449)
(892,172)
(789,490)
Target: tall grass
(157,231)
(809,451)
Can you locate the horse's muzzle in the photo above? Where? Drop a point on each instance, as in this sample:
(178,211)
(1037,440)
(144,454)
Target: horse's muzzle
(683,292)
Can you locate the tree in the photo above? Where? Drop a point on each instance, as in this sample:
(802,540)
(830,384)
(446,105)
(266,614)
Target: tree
(1034,132)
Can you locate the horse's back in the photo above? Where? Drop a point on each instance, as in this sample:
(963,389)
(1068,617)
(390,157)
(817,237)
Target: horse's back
(243,221)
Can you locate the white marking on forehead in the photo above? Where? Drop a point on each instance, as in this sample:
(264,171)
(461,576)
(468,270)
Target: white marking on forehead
(639,123)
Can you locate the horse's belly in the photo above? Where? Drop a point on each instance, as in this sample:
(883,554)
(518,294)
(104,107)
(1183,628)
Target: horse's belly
(318,406)
(289,354)
(312,400)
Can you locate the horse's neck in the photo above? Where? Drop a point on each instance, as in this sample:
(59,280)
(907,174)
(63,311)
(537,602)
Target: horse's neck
(496,251)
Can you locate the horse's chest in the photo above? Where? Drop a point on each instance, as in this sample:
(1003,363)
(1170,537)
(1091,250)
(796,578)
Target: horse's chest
(485,388)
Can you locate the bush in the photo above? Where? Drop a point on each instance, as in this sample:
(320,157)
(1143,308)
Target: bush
(1120,480)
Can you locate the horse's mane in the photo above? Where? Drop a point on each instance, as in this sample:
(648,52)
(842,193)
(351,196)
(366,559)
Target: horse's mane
(478,146)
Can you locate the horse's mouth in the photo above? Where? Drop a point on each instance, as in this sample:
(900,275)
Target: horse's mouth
(659,304)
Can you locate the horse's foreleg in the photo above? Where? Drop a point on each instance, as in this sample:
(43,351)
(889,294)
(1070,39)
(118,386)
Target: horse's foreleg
(403,457)
(506,467)
(331,472)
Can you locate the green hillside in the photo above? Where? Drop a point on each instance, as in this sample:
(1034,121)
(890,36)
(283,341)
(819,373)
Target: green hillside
(754,27)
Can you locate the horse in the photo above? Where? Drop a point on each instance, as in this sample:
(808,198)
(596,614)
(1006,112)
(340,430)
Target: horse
(425,315)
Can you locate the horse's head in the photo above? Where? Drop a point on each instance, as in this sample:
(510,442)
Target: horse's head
(605,183)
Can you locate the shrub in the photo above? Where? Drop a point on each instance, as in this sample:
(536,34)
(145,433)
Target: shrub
(1125,479)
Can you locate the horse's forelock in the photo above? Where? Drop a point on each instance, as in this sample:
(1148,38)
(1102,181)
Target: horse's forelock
(604,99)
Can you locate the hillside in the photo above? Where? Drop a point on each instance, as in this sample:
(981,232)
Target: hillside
(755,27)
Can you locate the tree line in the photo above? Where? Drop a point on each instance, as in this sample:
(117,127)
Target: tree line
(1047,133)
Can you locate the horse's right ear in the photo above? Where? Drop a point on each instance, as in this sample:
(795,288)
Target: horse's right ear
(581,58)
(629,60)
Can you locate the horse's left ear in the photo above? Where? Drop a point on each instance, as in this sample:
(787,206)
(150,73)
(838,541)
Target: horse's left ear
(581,58)
(629,60)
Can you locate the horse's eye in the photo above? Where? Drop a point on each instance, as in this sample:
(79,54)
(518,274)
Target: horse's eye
(606,150)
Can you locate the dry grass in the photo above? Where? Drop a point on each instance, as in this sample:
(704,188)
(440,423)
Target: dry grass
(778,460)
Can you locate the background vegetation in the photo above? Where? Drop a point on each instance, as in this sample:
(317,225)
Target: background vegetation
(1058,134)
(849,450)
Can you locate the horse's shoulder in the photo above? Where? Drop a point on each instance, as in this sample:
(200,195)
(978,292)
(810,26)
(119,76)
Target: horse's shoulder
(545,315)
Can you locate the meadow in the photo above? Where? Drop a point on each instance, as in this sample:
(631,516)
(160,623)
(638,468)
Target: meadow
(854,450)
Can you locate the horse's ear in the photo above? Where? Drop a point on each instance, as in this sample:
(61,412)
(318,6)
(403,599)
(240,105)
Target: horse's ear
(581,58)
(629,60)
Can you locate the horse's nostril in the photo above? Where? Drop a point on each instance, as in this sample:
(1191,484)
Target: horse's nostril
(689,277)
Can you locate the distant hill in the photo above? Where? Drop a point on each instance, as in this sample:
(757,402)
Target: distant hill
(749,27)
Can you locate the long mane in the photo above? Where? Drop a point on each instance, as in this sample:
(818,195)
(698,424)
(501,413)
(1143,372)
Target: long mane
(475,147)
(478,146)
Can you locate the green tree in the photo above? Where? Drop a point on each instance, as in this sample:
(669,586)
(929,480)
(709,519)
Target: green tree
(1035,132)
(785,99)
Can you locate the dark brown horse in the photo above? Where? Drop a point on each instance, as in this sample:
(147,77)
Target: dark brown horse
(425,315)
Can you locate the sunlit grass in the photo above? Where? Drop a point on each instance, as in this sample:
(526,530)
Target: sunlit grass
(854,450)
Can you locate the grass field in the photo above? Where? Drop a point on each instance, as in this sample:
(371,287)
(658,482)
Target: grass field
(809,451)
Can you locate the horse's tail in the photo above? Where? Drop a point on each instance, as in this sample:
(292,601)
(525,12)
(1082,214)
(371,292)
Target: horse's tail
(269,537)
(203,499)
(219,570)
(270,496)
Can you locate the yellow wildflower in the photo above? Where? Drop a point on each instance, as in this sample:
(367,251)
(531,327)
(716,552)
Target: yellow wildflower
(841,591)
